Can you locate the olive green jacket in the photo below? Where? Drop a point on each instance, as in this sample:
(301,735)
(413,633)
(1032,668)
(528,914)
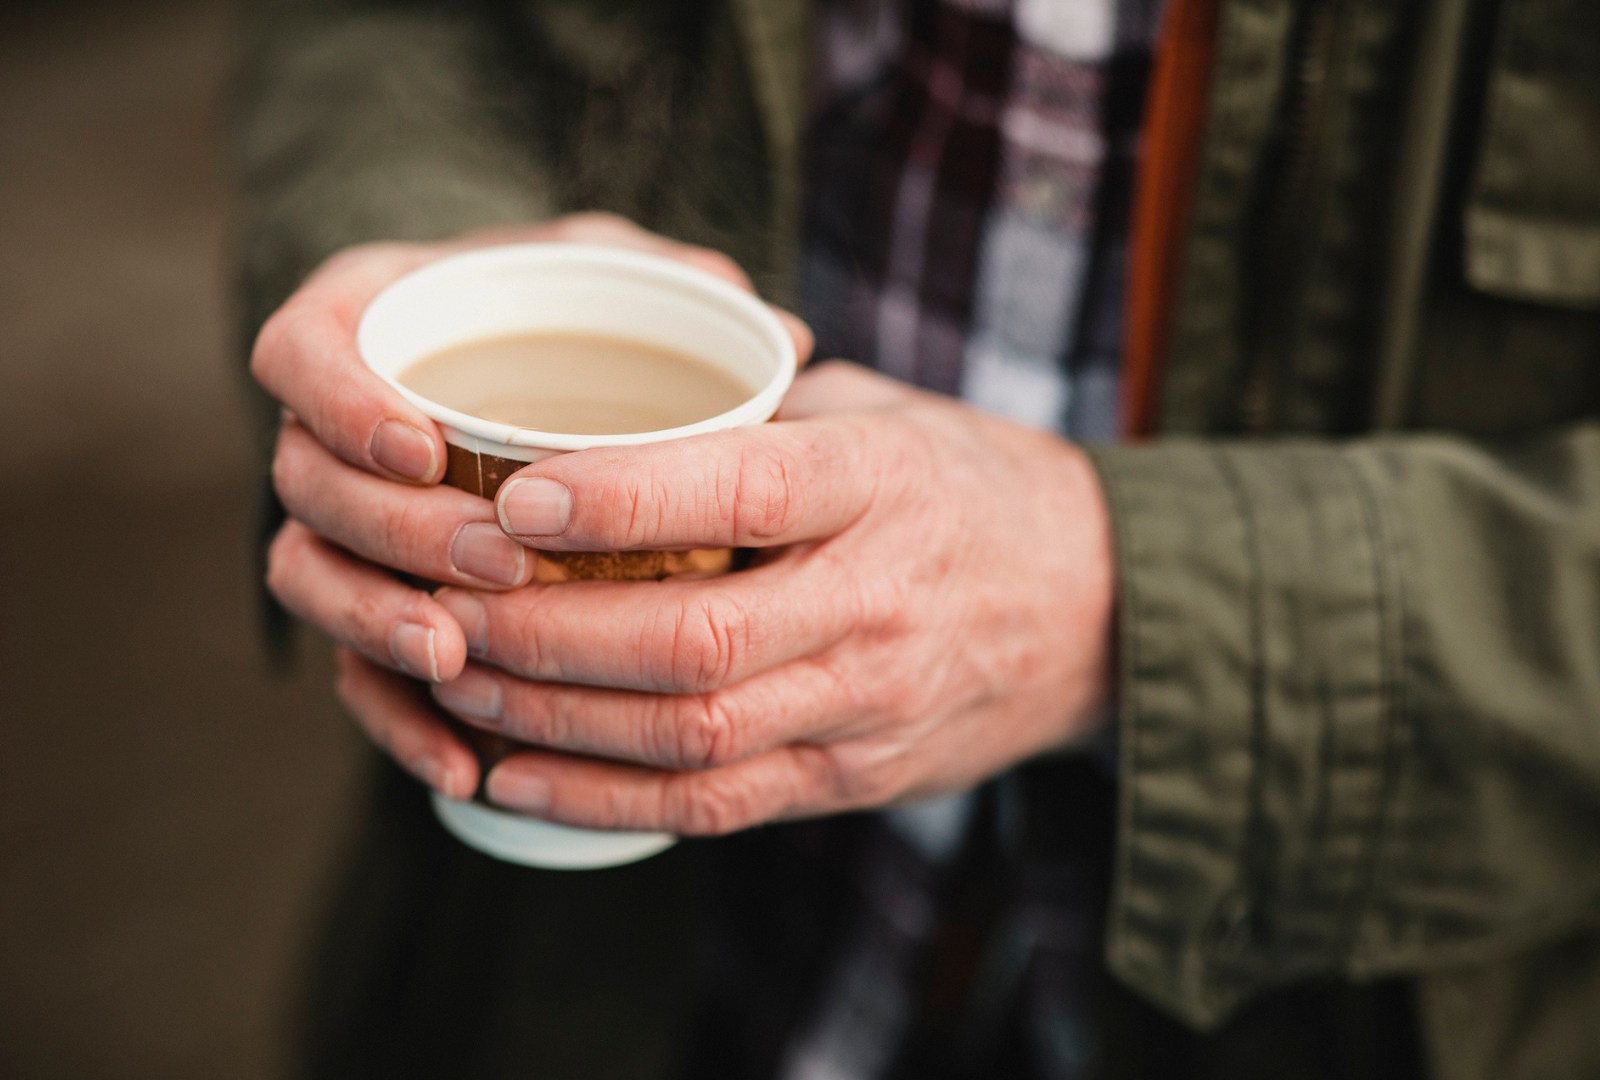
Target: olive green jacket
(1359,571)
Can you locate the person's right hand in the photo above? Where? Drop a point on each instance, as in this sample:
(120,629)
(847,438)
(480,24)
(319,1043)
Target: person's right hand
(358,469)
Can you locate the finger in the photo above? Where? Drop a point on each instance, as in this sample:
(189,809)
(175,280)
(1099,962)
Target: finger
(306,357)
(363,607)
(598,227)
(800,701)
(840,386)
(670,636)
(789,782)
(761,486)
(799,333)
(399,719)
(438,533)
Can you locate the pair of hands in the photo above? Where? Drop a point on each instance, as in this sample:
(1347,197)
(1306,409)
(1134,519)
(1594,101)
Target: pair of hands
(931,601)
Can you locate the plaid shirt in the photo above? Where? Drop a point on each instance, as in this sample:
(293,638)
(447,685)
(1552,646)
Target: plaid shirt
(966,231)
(970,174)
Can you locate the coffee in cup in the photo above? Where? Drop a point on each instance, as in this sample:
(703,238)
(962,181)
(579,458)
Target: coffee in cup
(585,384)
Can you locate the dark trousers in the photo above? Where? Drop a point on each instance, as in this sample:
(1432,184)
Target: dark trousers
(435,961)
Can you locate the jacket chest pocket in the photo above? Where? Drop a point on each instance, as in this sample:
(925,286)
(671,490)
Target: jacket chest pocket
(1533,215)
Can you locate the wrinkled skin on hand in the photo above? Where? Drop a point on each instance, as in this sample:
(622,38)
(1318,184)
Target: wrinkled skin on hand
(930,603)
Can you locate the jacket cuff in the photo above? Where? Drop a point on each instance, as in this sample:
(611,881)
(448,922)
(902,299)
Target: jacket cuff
(1258,645)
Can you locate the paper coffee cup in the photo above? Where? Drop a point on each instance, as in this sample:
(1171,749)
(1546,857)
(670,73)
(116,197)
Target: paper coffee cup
(584,289)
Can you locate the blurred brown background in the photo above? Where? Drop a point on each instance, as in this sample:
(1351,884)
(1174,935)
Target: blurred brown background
(169,811)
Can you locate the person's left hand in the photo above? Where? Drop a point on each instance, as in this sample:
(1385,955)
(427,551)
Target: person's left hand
(931,605)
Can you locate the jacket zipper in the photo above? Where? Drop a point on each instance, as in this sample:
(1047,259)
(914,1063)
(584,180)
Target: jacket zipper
(1290,218)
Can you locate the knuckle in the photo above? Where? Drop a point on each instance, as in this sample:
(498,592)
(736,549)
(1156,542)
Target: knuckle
(709,637)
(850,781)
(881,783)
(902,451)
(404,524)
(763,494)
(525,642)
(272,342)
(287,468)
(900,700)
(704,733)
(645,501)
(882,604)
(284,556)
(632,510)
(365,622)
(714,807)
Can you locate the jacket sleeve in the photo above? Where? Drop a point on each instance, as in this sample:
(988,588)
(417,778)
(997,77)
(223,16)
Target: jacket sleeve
(359,121)
(1360,708)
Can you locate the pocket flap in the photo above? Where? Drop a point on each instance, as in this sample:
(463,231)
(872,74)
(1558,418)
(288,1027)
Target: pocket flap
(1533,218)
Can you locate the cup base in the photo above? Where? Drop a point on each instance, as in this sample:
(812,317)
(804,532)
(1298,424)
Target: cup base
(528,841)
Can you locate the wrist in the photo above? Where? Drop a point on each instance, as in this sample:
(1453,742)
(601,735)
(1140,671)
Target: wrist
(1092,607)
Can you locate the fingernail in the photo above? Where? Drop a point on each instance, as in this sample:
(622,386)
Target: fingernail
(469,611)
(519,791)
(481,550)
(471,693)
(411,645)
(403,449)
(535,507)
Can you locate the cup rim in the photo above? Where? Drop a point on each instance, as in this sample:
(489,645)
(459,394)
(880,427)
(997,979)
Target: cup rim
(692,280)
